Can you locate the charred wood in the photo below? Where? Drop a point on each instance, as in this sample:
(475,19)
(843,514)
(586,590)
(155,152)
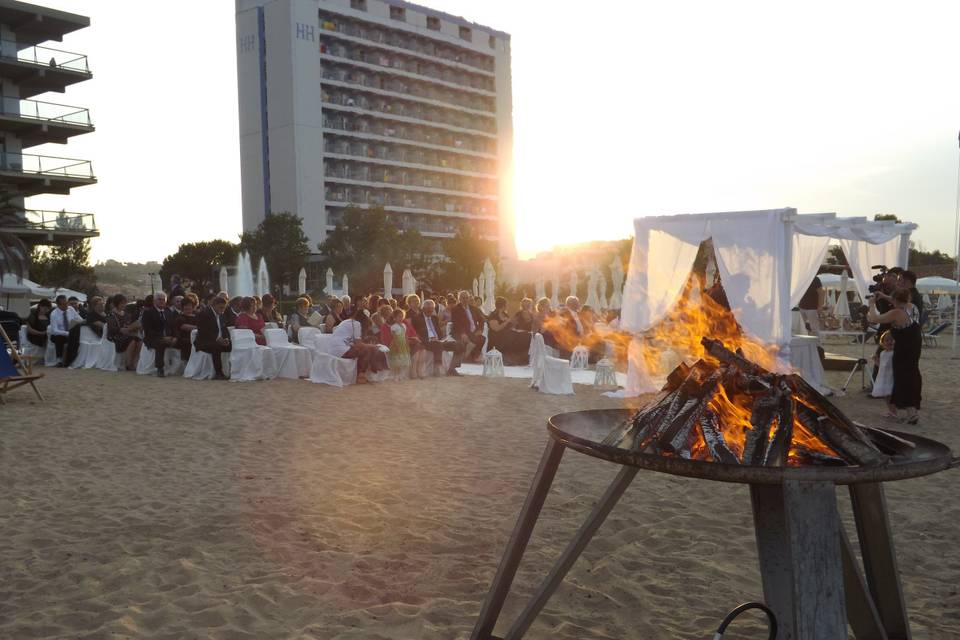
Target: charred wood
(713,438)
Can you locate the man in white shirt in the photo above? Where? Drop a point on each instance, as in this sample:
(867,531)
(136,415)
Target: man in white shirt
(62,319)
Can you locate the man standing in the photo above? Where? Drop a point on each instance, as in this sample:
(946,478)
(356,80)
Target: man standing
(158,329)
(468,326)
(811,303)
(427,328)
(62,319)
(212,334)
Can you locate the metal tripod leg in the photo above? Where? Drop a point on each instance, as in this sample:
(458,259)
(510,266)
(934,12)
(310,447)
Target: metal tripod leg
(600,512)
(518,541)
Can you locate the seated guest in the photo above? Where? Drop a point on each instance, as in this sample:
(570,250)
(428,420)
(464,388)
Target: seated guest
(347,311)
(233,310)
(335,317)
(382,318)
(74,302)
(523,319)
(543,315)
(298,319)
(158,331)
(62,319)
(37,323)
(504,337)
(125,339)
(468,326)
(268,310)
(183,324)
(96,320)
(213,334)
(348,343)
(248,319)
(427,328)
(176,304)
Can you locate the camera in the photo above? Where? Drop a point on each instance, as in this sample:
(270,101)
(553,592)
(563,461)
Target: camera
(877,278)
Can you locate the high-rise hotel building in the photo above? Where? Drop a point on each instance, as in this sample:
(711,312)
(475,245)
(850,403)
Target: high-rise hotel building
(30,68)
(373,102)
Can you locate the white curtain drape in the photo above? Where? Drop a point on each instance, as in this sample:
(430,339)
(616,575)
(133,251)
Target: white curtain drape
(861,255)
(808,255)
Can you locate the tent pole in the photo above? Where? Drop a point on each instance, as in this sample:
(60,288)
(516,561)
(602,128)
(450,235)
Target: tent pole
(956,258)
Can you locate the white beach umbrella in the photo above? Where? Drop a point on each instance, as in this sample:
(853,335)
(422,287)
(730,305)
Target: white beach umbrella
(601,291)
(481,286)
(476,287)
(489,278)
(616,275)
(345,286)
(408,283)
(302,282)
(574,283)
(388,281)
(944,302)
(224,279)
(592,290)
(938,284)
(329,288)
(842,310)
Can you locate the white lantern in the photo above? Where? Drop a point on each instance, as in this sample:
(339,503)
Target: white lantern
(493,364)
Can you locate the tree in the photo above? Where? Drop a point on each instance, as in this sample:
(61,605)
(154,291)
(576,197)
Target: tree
(281,241)
(365,240)
(466,253)
(197,262)
(65,266)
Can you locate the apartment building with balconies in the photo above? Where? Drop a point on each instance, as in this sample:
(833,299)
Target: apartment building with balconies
(27,70)
(374,103)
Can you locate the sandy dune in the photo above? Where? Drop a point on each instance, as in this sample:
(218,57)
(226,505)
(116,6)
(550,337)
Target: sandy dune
(134,507)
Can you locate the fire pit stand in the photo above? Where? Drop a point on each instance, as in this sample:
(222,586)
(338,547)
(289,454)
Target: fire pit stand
(811,578)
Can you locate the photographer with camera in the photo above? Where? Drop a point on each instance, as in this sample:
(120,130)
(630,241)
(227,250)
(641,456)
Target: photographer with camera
(885,283)
(903,318)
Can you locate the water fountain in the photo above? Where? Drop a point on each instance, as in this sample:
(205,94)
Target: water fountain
(243,277)
(263,278)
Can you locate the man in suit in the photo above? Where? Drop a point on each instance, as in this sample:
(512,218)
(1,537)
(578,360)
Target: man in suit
(468,326)
(212,334)
(428,330)
(232,312)
(158,329)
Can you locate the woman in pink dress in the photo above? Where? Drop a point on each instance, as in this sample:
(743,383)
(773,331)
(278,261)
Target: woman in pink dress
(249,319)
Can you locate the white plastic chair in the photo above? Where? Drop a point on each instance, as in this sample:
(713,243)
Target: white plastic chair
(292,360)
(328,368)
(27,348)
(87,351)
(550,375)
(250,361)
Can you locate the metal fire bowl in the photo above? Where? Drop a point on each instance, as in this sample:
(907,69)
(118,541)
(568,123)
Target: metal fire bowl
(584,430)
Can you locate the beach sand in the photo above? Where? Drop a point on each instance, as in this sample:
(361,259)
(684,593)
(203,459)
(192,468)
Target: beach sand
(135,507)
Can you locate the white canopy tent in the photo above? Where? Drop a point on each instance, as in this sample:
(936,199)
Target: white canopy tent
(766,261)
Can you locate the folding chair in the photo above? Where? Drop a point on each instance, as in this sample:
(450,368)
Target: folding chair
(15,371)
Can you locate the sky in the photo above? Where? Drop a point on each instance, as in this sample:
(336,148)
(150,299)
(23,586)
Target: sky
(645,108)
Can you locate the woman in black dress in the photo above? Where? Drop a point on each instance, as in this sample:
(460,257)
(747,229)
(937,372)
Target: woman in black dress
(502,336)
(523,319)
(904,319)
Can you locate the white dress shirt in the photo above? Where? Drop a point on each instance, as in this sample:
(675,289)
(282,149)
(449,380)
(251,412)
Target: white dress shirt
(344,334)
(57,317)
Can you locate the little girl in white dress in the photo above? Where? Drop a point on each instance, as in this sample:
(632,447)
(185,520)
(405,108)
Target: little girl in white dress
(883,385)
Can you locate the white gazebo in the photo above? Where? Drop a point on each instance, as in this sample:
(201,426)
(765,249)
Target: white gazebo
(766,261)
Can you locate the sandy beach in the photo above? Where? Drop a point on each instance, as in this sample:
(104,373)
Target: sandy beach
(137,507)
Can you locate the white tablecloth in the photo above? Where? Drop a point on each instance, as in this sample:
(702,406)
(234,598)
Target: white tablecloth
(806,360)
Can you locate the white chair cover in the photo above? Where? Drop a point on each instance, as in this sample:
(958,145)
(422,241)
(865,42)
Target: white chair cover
(331,370)
(250,361)
(270,325)
(107,358)
(50,353)
(171,361)
(292,360)
(200,364)
(87,352)
(550,375)
(307,335)
(27,348)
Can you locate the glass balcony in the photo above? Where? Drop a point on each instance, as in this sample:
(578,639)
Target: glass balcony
(46,166)
(416,133)
(45,111)
(45,57)
(60,221)
(400,109)
(408,88)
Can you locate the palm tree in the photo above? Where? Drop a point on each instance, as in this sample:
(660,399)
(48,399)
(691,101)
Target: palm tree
(14,257)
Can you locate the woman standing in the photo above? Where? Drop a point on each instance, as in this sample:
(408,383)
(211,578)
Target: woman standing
(904,320)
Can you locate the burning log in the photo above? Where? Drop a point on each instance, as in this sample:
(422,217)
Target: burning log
(816,457)
(716,349)
(714,440)
(674,437)
(779,447)
(887,442)
(764,413)
(848,447)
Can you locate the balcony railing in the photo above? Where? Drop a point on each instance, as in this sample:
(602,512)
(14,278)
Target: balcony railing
(46,111)
(60,221)
(412,89)
(416,133)
(45,56)
(46,165)
(400,110)
(429,159)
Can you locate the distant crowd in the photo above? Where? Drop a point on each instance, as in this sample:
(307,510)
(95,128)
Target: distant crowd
(380,333)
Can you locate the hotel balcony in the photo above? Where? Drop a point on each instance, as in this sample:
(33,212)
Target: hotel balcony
(412,112)
(427,181)
(407,156)
(403,201)
(423,134)
(24,174)
(35,24)
(39,69)
(46,227)
(386,83)
(37,122)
